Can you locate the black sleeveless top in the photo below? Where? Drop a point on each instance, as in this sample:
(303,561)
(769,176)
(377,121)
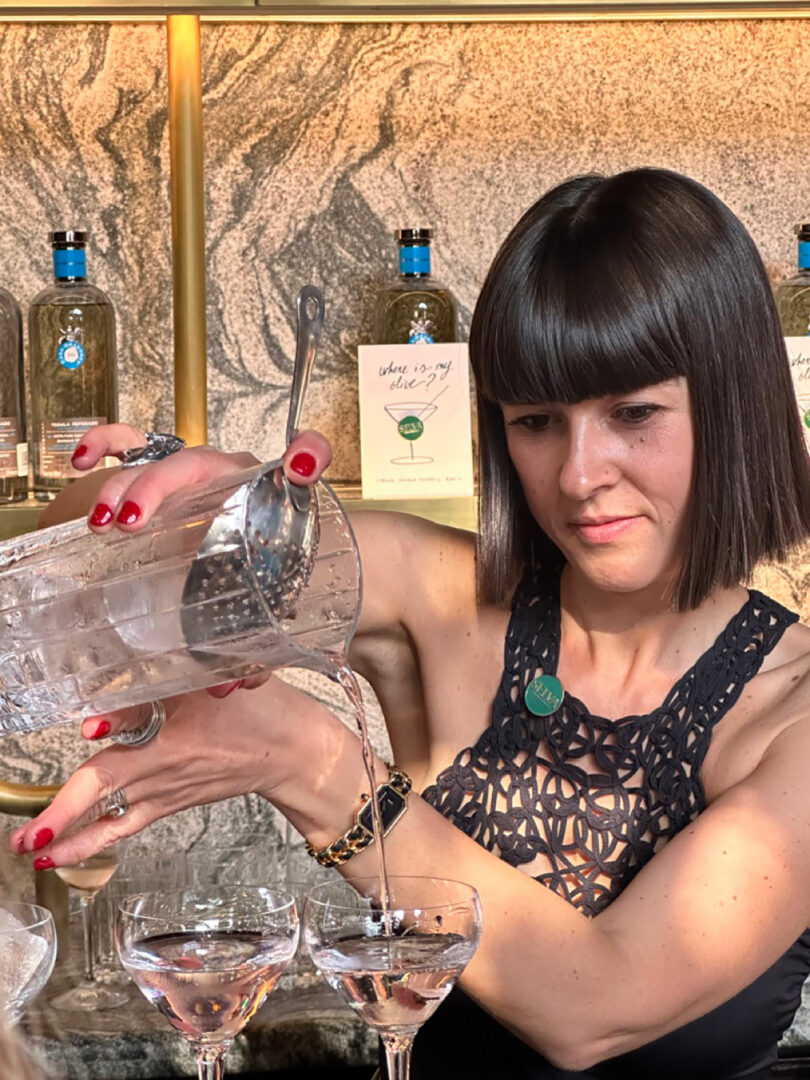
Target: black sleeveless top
(594,799)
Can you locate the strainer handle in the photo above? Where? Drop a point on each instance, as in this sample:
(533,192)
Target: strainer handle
(311,309)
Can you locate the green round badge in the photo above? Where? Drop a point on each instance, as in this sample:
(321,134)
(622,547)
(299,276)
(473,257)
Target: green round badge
(806,418)
(410,427)
(544,695)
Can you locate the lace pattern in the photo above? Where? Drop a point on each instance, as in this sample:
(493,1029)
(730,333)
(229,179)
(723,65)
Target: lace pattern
(589,800)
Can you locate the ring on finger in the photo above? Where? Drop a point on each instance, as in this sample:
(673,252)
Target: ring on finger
(140,736)
(117,804)
(159,445)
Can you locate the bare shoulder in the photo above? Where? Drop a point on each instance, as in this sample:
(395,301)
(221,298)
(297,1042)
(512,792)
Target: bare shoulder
(770,720)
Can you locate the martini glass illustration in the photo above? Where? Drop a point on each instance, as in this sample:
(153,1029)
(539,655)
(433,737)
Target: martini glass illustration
(410,416)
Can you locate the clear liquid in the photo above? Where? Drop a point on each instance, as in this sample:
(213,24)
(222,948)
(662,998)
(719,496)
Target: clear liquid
(208,985)
(88,879)
(348,681)
(395,983)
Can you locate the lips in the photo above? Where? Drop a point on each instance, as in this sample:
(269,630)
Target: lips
(602,530)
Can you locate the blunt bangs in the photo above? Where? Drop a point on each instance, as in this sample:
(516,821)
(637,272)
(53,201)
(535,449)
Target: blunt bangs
(596,314)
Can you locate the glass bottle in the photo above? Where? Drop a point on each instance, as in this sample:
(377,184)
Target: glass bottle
(13,445)
(793,294)
(73,374)
(415,309)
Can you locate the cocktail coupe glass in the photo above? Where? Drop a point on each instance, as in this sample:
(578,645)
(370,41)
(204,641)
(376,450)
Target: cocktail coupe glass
(393,966)
(410,417)
(136,873)
(207,958)
(87,878)
(27,954)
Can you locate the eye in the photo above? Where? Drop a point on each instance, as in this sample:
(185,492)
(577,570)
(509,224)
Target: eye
(636,413)
(531,421)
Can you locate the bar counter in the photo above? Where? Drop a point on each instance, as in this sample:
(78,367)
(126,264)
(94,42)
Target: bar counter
(306,1029)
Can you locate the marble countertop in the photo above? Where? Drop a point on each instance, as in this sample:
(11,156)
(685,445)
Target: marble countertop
(296,1028)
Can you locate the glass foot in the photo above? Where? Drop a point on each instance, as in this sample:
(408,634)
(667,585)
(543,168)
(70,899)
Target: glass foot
(89,996)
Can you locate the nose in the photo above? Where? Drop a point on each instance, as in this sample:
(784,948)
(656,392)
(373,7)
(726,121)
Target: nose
(588,461)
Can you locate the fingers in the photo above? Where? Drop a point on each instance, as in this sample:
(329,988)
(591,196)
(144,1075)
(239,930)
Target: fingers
(79,801)
(224,689)
(131,496)
(306,457)
(102,727)
(106,440)
(249,682)
(76,823)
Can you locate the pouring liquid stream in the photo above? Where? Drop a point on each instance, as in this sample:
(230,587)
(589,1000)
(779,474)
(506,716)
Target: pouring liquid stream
(347,680)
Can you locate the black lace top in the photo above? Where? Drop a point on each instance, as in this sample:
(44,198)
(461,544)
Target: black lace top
(582,803)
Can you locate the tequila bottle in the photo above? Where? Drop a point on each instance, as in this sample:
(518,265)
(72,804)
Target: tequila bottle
(73,375)
(793,294)
(415,309)
(13,447)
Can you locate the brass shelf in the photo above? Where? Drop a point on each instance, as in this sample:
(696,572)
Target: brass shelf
(399,10)
(461,513)
(18,518)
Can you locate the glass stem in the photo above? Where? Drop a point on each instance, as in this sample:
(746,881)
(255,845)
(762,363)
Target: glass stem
(211,1062)
(398,1056)
(86,903)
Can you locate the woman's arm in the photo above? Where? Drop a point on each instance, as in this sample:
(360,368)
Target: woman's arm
(710,912)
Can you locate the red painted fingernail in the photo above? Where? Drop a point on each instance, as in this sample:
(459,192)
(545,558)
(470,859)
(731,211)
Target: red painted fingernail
(21,845)
(236,686)
(102,515)
(80,451)
(129,513)
(44,862)
(102,730)
(41,838)
(303,464)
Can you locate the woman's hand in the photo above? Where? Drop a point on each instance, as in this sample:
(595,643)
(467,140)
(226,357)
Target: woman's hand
(208,750)
(129,497)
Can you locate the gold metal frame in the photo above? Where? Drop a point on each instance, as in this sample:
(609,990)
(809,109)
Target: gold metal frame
(188,228)
(401,10)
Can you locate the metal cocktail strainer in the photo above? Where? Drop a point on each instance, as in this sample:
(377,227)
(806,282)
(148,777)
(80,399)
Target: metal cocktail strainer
(259,551)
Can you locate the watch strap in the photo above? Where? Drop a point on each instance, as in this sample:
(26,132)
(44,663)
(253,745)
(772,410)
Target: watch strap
(392,798)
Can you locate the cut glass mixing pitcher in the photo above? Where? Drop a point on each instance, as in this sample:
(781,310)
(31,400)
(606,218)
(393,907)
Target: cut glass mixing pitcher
(212,589)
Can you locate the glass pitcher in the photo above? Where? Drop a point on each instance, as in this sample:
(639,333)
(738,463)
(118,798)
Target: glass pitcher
(204,594)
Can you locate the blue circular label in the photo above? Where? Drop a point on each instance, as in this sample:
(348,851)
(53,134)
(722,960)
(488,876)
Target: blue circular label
(71,355)
(544,695)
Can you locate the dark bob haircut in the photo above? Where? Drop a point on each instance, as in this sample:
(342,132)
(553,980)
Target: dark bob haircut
(610,284)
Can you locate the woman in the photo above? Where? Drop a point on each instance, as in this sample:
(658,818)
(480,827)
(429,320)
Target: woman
(640,452)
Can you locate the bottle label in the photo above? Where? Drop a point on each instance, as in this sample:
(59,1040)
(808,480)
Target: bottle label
(414,259)
(57,441)
(798,349)
(804,254)
(9,440)
(71,354)
(69,263)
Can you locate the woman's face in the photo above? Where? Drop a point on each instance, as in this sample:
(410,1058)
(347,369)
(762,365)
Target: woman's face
(609,480)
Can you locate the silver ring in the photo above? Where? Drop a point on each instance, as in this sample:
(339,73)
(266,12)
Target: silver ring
(140,736)
(116,805)
(159,445)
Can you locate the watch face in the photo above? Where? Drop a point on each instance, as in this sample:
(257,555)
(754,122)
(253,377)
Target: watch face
(391,806)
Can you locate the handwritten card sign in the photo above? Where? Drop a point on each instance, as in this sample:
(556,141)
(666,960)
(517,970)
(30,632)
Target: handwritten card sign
(415,438)
(799,354)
